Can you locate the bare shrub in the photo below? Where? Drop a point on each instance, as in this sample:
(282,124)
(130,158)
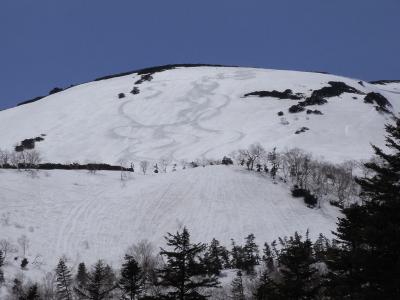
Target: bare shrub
(32,158)
(144,165)
(164,163)
(5,157)
(48,286)
(23,242)
(7,247)
(16,159)
(124,174)
(145,254)
(254,154)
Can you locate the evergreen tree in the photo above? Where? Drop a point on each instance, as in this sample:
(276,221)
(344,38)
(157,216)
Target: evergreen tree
(1,267)
(17,289)
(295,277)
(81,278)
(237,287)
(215,258)
(296,262)
(237,256)
(267,288)
(320,247)
(365,264)
(64,281)
(132,279)
(251,254)
(184,275)
(268,258)
(100,283)
(273,159)
(32,293)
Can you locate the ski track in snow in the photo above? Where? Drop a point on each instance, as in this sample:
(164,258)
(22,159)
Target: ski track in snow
(100,217)
(200,109)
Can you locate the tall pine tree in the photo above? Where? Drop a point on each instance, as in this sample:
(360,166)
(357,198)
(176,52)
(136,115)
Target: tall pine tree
(237,287)
(251,254)
(295,276)
(296,261)
(184,275)
(64,281)
(365,264)
(81,277)
(1,267)
(32,294)
(215,258)
(238,257)
(100,283)
(132,279)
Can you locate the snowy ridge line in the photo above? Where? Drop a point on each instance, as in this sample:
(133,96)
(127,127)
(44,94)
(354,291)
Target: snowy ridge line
(147,70)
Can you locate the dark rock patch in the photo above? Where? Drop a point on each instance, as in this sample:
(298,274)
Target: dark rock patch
(55,90)
(316,100)
(121,95)
(335,89)
(280,113)
(382,104)
(28,144)
(145,77)
(317,97)
(296,109)
(51,92)
(30,100)
(302,129)
(314,112)
(287,94)
(135,90)
(19,148)
(383,82)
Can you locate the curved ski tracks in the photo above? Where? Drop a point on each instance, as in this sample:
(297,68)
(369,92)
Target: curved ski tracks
(187,130)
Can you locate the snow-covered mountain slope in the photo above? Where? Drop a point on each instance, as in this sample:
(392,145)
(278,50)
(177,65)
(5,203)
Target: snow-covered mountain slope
(194,112)
(88,217)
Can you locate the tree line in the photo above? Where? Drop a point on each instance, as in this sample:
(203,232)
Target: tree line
(307,175)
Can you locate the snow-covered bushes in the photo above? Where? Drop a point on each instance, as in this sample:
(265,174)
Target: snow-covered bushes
(321,179)
(227,161)
(309,198)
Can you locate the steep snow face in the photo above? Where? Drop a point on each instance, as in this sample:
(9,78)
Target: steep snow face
(190,113)
(87,217)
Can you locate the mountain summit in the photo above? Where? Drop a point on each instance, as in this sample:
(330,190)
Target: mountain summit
(191,112)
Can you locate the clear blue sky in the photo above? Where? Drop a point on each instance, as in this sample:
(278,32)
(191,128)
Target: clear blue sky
(48,43)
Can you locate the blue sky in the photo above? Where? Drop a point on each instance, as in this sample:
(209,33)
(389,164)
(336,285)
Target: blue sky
(48,43)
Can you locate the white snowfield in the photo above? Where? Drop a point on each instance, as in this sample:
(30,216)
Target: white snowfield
(197,112)
(87,217)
